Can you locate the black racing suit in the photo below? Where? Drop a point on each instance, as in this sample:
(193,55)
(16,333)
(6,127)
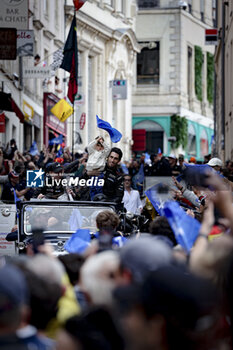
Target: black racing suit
(113,187)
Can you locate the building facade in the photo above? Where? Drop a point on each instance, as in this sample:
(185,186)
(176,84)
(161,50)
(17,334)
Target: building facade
(107,49)
(224,76)
(171,75)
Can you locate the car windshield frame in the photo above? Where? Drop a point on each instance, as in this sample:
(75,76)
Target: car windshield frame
(84,214)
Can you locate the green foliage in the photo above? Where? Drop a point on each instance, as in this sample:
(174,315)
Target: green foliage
(198,72)
(210,77)
(179,129)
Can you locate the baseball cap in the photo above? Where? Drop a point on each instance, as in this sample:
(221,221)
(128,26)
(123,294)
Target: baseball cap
(172,155)
(144,255)
(13,288)
(215,162)
(54,167)
(192,160)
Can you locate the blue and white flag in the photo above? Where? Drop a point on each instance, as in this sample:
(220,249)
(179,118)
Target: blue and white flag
(184,227)
(57,140)
(115,135)
(156,200)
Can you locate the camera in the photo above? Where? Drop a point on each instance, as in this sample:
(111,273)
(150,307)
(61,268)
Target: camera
(183,5)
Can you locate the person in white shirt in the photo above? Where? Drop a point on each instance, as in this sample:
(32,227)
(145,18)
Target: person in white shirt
(98,151)
(131,199)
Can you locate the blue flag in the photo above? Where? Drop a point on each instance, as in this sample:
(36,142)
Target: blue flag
(184,227)
(78,242)
(115,135)
(34,149)
(76,220)
(57,140)
(156,200)
(59,151)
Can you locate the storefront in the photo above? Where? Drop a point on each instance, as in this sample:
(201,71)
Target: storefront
(52,125)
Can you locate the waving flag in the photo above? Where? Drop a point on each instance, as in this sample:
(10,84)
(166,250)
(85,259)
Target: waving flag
(78,242)
(115,135)
(184,227)
(78,4)
(157,199)
(57,140)
(70,60)
(34,149)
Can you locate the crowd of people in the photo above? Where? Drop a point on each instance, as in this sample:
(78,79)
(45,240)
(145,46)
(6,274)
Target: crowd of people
(150,293)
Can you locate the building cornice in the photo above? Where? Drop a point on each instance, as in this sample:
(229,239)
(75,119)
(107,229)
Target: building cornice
(38,24)
(49,34)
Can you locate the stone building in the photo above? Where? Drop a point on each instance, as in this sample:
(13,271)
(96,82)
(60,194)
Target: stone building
(172,74)
(224,76)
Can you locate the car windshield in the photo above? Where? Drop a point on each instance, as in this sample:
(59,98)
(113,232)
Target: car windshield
(60,218)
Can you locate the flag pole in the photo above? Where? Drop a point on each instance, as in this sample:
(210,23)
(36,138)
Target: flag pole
(73,133)
(73,113)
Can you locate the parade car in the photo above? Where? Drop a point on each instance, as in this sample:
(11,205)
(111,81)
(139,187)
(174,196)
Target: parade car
(58,220)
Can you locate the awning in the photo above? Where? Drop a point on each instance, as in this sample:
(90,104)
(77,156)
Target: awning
(7,103)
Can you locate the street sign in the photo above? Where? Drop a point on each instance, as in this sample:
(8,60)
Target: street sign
(8,43)
(82,121)
(14,14)
(211,36)
(79,100)
(25,42)
(119,89)
(36,72)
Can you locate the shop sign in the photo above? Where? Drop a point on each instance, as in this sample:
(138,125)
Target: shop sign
(36,72)
(14,14)
(25,43)
(7,43)
(2,122)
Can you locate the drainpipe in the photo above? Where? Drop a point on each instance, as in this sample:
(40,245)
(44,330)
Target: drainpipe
(223,80)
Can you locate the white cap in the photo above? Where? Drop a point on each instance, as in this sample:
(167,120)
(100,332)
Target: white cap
(215,162)
(172,155)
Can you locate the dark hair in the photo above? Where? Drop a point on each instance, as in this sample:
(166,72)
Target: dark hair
(107,220)
(118,151)
(128,175)
(72,263)
(161,227)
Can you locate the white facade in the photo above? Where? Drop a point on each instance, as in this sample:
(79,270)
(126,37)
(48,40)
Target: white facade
(107,50)
(177,30)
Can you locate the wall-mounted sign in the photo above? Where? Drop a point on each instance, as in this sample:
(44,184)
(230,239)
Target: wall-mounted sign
(82,121)
(79,100)
(7,43)
(119,89)
(36,72)
(25,43)
(28,111)
(14,14)
(211,36)
(2,122)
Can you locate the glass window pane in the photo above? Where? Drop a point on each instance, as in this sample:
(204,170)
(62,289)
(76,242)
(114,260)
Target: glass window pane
(148,64)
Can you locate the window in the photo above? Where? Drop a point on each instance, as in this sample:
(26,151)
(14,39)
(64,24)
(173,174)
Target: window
(204,147)
(189,75)
(148,64)
(202,10)
(191,140)
(190,6)
(46,7)
(145,4)
(109,2)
